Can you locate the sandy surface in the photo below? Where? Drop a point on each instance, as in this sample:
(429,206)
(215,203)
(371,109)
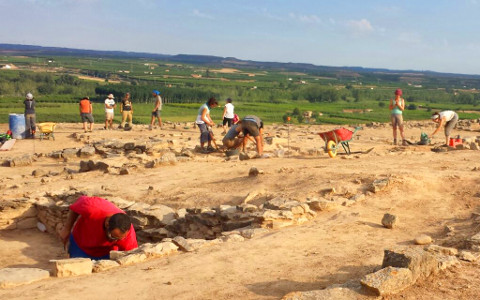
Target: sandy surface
(427,192)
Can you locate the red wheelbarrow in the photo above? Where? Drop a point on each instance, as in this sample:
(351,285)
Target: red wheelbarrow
(334,138)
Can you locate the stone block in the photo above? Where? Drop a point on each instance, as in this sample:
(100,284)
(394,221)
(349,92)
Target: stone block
(104,264)
(27,223)
(420,262)
(12,277)
(114,255)
(132,259)
(423,239)
(389,221)
(70,153)
(378,185)
(189,245)
(72,267)
(87,151)
(159,249)
(388,281)
(323,205)
(252,232)
(441,250)
(232,238)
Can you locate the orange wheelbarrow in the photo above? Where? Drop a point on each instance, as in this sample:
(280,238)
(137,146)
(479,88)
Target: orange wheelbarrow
(334,138)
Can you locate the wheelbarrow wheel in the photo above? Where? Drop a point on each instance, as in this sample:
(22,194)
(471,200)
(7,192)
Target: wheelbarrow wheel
(331,148)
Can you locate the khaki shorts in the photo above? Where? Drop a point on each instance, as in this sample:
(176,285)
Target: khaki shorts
(109,116)
(397,120)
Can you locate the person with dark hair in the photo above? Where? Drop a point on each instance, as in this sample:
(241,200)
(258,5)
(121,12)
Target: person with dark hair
(397,107)
(228,115)
(157,110)
(98,227)
(253,126)
(449,118)
(126,108)
(30,116)
(204,123)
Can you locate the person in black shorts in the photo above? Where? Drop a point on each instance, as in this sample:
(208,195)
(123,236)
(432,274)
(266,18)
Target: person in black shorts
(253,126)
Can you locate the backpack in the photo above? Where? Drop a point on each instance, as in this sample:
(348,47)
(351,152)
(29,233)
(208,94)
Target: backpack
(424,139)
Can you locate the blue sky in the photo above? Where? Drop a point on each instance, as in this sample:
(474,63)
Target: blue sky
(441,35)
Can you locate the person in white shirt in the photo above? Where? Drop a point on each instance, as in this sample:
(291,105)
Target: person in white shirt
(228,115)
(449,118)
(109,111)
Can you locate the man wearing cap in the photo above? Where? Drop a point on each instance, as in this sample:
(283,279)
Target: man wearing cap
(109,111)
(30,116)
(397,107)
(86,113)
(157,110)
(98,227)
(449,118)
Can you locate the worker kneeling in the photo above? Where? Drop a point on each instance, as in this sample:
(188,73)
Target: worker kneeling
(233,139)
(99,228)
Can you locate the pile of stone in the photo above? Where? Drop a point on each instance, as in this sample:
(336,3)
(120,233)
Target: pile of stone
(400,269)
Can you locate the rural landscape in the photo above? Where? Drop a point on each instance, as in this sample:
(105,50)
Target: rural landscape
(374,220)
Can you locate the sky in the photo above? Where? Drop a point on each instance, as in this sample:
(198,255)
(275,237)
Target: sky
(435,35)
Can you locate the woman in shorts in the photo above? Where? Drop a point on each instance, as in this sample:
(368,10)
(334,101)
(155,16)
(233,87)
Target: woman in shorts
(397,107)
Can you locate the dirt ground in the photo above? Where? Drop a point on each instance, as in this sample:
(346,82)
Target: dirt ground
(428,191)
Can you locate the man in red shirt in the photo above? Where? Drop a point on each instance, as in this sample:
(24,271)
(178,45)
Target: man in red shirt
(99,228)
(86,113)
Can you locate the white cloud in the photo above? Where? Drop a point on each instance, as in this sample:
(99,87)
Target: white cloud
(362,26)
(306,18)
(199,14)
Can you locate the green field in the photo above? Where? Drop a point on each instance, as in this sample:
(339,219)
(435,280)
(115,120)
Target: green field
(58,83)
(269,112)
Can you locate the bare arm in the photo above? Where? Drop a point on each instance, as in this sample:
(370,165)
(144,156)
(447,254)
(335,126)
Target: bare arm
(224,112)
(67,227)
(206,117)
(442,121)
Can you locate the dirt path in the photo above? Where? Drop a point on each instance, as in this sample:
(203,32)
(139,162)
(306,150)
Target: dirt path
(427,192)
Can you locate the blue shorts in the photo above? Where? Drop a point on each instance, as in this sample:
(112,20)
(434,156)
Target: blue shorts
(75,251)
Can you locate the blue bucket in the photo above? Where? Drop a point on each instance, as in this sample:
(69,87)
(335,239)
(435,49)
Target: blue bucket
(17,125)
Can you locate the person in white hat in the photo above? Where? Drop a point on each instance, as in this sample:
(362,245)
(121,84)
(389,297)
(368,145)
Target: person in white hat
(109,111)
(30,116)
(449,118)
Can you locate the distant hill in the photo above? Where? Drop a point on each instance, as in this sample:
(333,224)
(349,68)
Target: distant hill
(30,50)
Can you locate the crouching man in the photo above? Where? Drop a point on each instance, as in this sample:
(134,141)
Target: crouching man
(98,227)
(233,139)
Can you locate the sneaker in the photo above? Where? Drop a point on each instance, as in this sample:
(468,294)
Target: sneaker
(404,143)
(394,142)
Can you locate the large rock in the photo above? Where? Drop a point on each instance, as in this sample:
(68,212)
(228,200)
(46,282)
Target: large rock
(420,262)
(104,264)
(351,290)
(159,249)
(72,267)
(87,151)
(132,259)
(70,153)
(11,277)
(323,205)
(189,245)
(388,281)
(389,221)
(378,185)
(21,161)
